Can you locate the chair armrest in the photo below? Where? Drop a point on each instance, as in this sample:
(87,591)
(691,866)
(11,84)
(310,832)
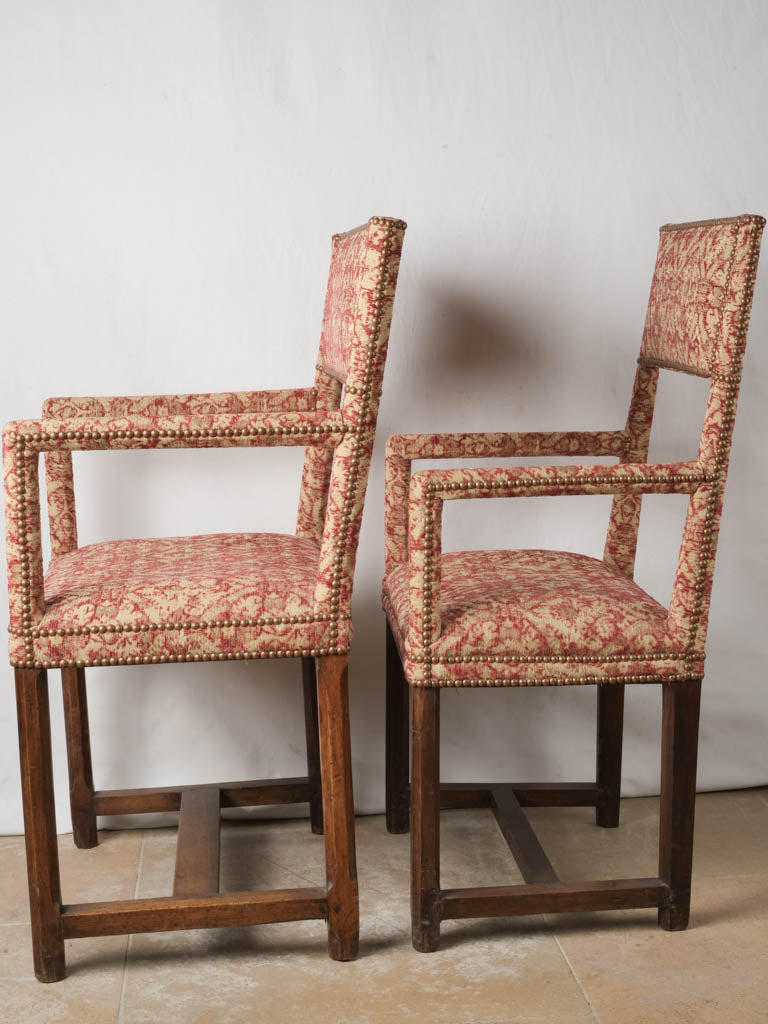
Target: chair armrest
(324,428)
(291,400)
(504,445)
(527,481)
(23,440)
(430,488)
(402,449)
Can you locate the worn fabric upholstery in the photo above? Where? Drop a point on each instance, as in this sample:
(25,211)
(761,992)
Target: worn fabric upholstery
(505,618)
(221,596)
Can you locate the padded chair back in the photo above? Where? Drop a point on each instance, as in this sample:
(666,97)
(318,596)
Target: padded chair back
(350,371)
(698,315)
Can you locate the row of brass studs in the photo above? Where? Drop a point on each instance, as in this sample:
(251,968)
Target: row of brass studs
(555,659)
(675,677)
(162,659)
(21,528)
(365,393)
(148,627)
(726,430)
(675,478)
(108,435)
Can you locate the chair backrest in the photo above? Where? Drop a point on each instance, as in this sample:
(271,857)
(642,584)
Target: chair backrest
(698,315)
(350,371)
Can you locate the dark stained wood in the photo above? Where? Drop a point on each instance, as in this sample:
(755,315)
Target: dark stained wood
(559,794)
(610,735)
(396,745)
(309,681)
(425,818)
(521,839)
(79,758)
(338,807)
(556,898)
(458,795)
(679,748)
(197,846)
(40,823)
(170,913)
(253,793)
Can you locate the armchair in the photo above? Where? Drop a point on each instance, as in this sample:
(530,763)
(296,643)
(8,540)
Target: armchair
(212,598)
(554,618)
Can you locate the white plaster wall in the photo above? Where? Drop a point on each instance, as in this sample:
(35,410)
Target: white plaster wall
(170,177)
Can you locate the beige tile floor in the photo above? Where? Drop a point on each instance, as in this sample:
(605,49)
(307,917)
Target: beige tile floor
(615,968)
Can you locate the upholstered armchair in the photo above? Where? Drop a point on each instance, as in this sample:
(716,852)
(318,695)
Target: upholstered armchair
(211,598)
(553,618)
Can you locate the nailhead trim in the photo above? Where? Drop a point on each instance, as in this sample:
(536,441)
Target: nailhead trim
(711,515)
(147,627)
(553,681)
(162,659)
(109,435)
(556,481)
(365,395)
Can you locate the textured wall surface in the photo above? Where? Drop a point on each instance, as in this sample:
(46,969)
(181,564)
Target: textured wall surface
(171,175)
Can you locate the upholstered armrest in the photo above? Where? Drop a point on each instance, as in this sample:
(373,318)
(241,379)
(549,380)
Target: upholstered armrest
(430,488)
(291,400)
(324,427)
(402,449)
(23,441)
(504,445)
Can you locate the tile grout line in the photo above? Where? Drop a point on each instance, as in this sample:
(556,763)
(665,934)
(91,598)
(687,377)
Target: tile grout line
(121,1004)
(570,968)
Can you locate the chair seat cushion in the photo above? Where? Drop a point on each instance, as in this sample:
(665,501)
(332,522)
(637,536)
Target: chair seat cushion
(533,616)
(184,598)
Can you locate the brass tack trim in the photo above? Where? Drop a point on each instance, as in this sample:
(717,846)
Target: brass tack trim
(146,627)
(675,677)
(163,659)
(364,396)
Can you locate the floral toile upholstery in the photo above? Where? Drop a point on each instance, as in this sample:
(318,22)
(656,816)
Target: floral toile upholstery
(505,618)
(223,596)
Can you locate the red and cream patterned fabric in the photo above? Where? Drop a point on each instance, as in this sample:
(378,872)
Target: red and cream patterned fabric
(694,309)
(501,609)
(535,617)
(249,595)
(225,596)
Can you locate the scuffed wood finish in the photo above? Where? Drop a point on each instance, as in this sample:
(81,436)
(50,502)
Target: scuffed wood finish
(610,735)
(679,745)
(425,819)
(556,898)
(253,793)
(40,823)
(458,795)
(171,913)
(309,682)
(197,846)
(338,807)
(77,731)
(520,838)
(397,753)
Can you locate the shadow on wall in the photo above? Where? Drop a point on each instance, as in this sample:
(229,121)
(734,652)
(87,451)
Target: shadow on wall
(468,354)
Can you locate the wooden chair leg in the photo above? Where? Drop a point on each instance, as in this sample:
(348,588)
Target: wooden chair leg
(338,807)
(610,735)
(396,745)
(425,819)
(309,677)
(40,823)
(679,748)
(79,758)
